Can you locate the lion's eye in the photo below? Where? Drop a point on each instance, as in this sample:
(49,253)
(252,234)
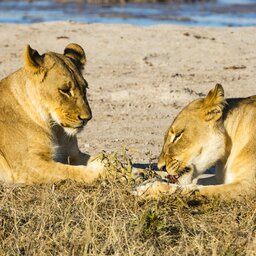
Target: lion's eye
(66,91)
(177,136)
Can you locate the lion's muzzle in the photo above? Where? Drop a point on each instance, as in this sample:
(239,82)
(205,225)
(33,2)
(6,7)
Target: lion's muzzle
(84,119)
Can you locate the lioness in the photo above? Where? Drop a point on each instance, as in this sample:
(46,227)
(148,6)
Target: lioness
(207,132)
(43,106)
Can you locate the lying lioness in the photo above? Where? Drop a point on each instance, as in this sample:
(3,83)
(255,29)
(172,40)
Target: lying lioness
(207,132)
(43,105)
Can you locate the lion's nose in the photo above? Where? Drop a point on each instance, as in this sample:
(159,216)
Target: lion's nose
(85,119)
(161,165)
(163,168)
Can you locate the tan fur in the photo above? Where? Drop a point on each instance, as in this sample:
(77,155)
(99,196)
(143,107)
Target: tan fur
(207,132)
(43,106)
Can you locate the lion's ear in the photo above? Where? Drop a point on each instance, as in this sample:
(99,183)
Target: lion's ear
(32,59)
(214,103)
(76,53)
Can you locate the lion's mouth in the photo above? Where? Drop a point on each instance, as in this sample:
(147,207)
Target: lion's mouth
(174,178)
(73,129)
(80,126)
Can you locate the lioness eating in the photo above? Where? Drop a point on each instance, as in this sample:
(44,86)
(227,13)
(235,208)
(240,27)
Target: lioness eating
(43,106)
(207,132)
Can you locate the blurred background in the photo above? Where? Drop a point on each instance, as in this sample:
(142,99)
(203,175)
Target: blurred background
(138,12)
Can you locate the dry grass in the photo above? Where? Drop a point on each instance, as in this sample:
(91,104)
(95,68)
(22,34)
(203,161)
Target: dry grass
(70,218)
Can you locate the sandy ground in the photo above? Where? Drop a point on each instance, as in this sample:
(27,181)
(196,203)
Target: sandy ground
(141,77)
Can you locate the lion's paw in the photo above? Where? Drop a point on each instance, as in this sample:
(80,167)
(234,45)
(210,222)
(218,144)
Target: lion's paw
(97,165)
(154,188)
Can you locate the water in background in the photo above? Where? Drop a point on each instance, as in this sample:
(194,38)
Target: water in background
(218,13)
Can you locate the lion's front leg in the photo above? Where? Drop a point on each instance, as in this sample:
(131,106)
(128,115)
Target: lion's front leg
(42,171)
(157,188)
(231,190)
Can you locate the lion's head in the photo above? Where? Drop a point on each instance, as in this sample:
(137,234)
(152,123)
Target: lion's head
(58,87)
(195,139)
